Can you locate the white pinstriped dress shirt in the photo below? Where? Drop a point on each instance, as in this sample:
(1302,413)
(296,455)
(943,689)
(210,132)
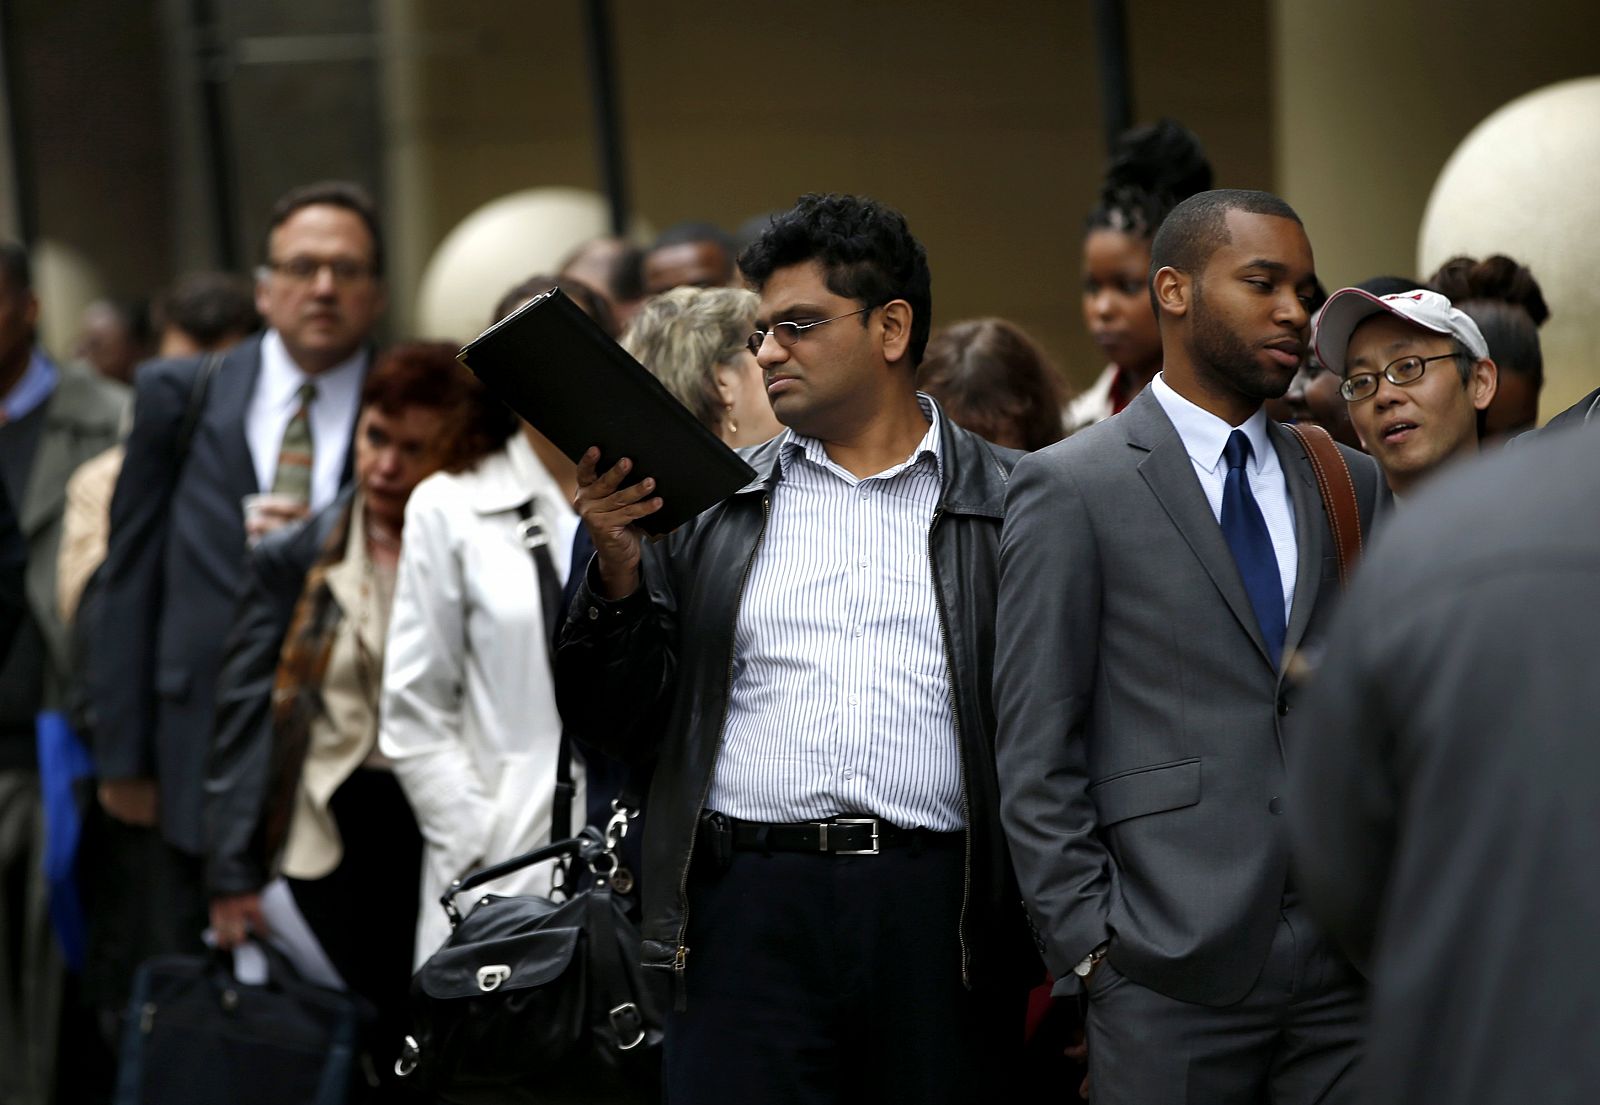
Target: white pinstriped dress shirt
(840,702)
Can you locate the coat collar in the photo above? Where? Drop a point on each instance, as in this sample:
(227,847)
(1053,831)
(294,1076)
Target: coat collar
(1169,472)
(973,480)
(511,477)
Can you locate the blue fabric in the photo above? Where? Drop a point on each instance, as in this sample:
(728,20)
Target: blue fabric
(63,761)
(37,384)
(1246,533)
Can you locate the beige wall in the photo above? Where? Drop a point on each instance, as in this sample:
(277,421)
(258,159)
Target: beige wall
(980,121)
(1374,95)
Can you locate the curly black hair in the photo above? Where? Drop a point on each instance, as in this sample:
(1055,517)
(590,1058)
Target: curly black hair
(866,250)
(1152,169)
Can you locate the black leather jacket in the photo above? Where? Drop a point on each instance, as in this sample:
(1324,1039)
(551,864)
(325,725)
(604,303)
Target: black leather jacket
(647,678)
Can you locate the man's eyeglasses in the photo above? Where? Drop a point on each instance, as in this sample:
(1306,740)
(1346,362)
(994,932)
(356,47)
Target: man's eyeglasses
(303,270)
(1406,370)
(787,333)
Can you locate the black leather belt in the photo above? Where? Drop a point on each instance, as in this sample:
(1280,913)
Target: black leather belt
(837,836)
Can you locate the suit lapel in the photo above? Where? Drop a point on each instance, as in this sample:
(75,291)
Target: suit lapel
(1170,474)
(1308,525)
(227,409)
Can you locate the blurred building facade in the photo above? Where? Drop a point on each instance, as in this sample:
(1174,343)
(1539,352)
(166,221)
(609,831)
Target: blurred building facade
(981,122)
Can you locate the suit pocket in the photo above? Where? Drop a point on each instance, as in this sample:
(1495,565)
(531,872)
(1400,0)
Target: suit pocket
(1146,790)
(172,683)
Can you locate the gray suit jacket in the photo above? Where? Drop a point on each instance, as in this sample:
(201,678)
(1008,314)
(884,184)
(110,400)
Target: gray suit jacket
(1140,751)
(1447,787)
(175,565)
(82,419)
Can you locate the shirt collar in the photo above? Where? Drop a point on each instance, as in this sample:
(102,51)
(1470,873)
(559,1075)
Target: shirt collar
(1204,435)
(795,445)
(281,378)
(29,393)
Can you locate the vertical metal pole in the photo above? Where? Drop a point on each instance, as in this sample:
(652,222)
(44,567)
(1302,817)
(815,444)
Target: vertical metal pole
(16,176)
(211,62)
(1111,45)
(608,126)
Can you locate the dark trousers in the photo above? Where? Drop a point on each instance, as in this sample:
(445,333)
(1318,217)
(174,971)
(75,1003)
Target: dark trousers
(364,912)
(831,979)
(1294,1039)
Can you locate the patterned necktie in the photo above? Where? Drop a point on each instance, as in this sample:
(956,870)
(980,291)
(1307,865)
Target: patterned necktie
(293,477)
(1246,533)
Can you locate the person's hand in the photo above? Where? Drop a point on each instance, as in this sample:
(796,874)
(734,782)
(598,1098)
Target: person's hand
(235,918)
(609,516)
(266,512)
(131,801)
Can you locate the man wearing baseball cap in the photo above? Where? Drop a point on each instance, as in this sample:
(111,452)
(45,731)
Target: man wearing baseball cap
(1394,354)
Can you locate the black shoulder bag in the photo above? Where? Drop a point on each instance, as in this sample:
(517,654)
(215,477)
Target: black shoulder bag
(532,997)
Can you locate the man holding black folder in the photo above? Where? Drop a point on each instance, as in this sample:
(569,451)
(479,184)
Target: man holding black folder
(807,666)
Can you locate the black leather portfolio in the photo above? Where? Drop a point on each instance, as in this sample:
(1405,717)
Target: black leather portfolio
(553,365)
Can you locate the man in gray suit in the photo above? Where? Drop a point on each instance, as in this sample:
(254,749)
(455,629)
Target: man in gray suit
(50,422)
(1446,815)
(1162,575)
(277,416)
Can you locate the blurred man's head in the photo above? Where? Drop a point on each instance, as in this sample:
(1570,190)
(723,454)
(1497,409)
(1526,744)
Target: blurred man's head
(1415,372)
(698,255)
(114,337)
(320,284)
(205,312)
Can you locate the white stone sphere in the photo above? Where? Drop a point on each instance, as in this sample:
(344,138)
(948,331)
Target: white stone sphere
(499,245)
(1526,183)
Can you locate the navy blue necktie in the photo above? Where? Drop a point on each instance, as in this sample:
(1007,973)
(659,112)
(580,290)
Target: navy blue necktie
(1246,533)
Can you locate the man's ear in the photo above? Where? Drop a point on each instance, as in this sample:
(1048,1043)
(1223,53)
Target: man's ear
(1483,383)
(896,330)
(1173,291)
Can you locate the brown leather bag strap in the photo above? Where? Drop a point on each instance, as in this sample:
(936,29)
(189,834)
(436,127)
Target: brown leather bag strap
(1338,493)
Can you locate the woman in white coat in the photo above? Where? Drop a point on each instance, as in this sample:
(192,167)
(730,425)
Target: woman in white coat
(469,713)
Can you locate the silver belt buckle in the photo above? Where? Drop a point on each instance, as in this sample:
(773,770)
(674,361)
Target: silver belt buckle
(873,821)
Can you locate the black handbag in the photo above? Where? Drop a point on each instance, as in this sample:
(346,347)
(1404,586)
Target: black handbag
(531,995)
(196,1034)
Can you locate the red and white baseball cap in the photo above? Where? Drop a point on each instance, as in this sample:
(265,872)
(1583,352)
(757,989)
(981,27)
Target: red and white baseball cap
(1348,308)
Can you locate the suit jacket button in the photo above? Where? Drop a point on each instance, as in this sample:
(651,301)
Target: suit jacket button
(1275,806)
(1283,707)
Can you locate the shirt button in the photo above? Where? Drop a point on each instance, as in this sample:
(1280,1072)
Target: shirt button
(863,562)
(1275,806)
(853,700)
(849,773)
(858,631)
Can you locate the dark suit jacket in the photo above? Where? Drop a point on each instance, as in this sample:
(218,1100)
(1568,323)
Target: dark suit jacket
(1446,789)
(13,563)
(238,853)
(174,566)
(1141,762)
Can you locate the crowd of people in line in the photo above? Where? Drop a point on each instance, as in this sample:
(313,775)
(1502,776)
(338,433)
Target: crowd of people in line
(970,729)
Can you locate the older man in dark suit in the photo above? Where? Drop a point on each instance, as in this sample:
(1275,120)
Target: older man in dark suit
(276,419)
(1447,785)
(1159,574)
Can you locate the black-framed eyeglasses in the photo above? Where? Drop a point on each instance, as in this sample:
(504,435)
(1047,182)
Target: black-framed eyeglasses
(787,333)
(1406,370)
(303,270)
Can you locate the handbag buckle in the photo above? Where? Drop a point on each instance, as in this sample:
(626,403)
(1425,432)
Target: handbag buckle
(626,1018)
(873,821)
(490,977)
(532,533)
